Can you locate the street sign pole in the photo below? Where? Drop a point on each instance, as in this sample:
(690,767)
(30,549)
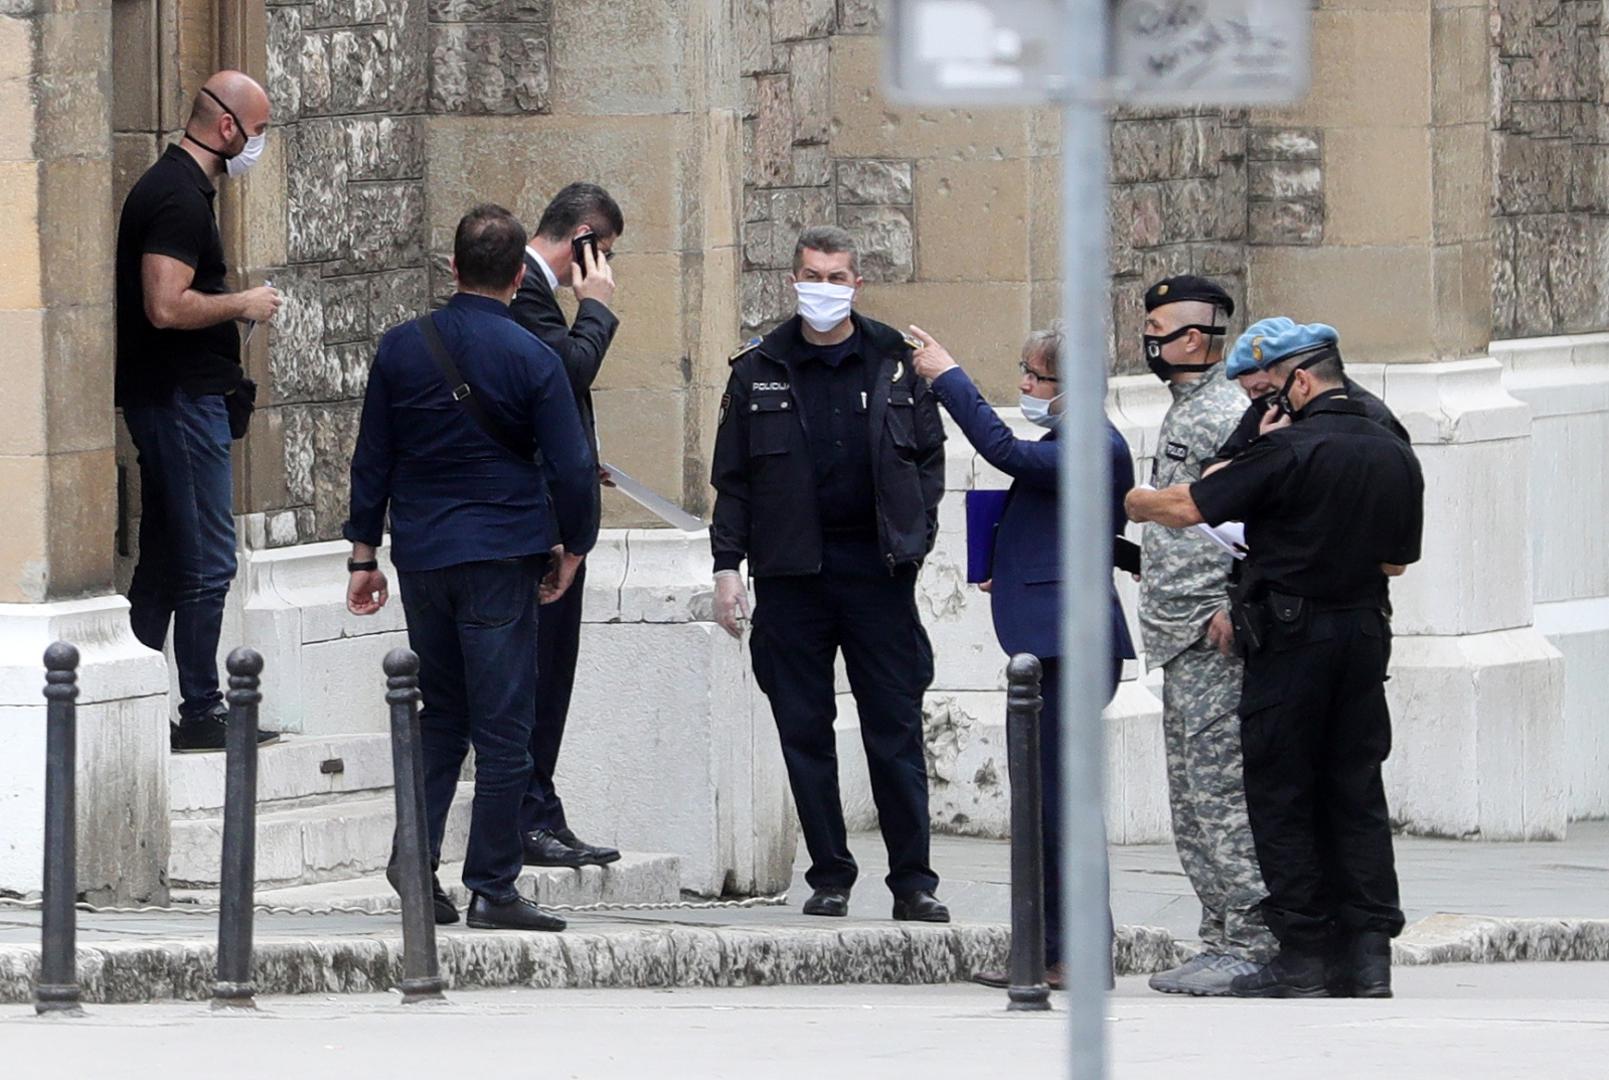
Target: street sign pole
(1086,548)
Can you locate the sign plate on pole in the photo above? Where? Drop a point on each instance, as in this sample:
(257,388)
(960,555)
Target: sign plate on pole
(1210,52)
(974,52)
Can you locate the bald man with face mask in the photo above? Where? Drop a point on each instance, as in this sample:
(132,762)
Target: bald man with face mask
(184,395)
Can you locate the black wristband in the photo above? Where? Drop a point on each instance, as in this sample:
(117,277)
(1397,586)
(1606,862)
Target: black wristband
(355,567)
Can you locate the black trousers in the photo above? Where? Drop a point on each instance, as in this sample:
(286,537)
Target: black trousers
(558,642)
(800,623)
(1314,732)
(1050,761)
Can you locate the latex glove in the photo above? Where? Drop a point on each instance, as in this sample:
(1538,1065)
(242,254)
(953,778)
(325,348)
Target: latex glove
(731,602)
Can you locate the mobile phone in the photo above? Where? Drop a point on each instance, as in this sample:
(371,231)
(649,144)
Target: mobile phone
(579,245)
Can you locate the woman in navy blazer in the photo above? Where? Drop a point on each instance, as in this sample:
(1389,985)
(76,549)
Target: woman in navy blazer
(1026,583)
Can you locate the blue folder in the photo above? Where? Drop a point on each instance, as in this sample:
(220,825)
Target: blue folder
(984,510)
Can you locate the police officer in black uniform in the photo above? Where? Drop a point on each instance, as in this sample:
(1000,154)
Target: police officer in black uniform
(829,466)
(1333,506)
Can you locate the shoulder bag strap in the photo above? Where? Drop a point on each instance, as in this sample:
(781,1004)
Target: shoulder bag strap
(465,396)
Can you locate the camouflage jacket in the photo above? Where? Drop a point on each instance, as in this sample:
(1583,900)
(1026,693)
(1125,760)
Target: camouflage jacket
(1184,574)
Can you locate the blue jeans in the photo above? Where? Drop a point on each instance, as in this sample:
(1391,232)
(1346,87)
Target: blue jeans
(187,537)
(474,628)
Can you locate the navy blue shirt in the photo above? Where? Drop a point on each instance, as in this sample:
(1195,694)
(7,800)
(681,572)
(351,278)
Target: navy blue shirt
(455,496)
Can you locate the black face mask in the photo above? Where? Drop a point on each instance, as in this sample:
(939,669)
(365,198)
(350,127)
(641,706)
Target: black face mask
(1282,396)
(1164,369)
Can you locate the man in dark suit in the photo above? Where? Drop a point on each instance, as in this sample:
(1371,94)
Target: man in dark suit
(1026,583)
(584,219)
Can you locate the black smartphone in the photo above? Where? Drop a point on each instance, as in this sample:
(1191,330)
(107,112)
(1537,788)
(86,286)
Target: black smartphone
(579,245)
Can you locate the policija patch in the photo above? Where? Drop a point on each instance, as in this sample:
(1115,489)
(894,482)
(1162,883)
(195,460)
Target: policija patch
(1177,451)
(726,407)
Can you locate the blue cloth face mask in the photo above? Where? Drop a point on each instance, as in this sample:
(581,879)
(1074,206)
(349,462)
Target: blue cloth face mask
(1036,410)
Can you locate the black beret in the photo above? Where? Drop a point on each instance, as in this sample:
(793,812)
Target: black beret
(1188,287)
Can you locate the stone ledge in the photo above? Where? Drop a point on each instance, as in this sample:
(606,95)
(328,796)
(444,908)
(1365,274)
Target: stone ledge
(666,955)
(653,956)
(1475,939)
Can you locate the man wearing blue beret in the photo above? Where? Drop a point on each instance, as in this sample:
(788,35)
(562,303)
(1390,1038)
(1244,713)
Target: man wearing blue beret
(1184,617)
(1261,386)
(1333,505)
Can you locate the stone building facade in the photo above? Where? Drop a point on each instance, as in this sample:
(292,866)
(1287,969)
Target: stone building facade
(1441,187)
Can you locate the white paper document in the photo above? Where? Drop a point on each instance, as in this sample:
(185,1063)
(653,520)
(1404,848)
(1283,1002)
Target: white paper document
(656,504)
(1231,536)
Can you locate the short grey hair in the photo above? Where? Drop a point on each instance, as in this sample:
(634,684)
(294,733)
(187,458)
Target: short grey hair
(829,240)
(1046,344)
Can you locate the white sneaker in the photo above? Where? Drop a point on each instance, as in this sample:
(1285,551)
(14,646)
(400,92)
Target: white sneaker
(1171,980)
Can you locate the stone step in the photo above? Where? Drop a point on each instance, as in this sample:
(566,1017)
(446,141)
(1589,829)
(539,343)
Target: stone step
(297,769)
(305,845)
(637,878)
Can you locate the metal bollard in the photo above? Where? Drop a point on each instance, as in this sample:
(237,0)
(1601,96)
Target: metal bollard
(233,988)
(57,990)
(421,978)
(1028,991)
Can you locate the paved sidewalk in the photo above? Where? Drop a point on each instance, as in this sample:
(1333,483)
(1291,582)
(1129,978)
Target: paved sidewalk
(1504,1022)
(1534,901)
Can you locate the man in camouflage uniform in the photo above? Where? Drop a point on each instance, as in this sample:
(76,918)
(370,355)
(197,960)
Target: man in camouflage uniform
(1185,622)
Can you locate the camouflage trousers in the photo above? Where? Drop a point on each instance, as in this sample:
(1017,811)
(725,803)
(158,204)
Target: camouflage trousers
(1201,732)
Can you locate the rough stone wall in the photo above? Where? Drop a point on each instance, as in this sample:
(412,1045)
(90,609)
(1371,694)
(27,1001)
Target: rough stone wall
(1178,205)
(350,85)
(1191,189)
(1550,206)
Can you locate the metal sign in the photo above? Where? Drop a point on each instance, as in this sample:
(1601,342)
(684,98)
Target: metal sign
(1162,52)
(1210,52)
(974,52)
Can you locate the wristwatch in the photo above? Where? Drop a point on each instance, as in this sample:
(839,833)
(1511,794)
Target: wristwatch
(355,567)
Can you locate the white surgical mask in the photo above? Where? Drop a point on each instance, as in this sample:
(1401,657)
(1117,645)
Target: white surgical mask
(249,155)
(1036,410)
(823,306)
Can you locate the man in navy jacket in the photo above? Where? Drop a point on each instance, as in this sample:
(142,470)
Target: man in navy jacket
(473,525)
(1026,585)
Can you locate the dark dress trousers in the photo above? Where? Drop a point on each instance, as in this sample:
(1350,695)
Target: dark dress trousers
(580,348)
(1026,589)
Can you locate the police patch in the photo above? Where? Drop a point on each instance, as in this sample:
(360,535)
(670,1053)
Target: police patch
(726,407)
(1177,451)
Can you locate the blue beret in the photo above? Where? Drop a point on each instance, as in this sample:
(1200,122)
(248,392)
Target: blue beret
(1268,341)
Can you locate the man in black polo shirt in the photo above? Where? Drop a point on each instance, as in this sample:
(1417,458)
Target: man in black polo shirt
(1333,506)
(178,359)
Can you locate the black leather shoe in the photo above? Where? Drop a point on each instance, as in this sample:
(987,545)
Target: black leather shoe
(517,914)
(544,848)
(1369,959)
(446,910)
(594,854)
(1288,975)
(920,906)
(830,902)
